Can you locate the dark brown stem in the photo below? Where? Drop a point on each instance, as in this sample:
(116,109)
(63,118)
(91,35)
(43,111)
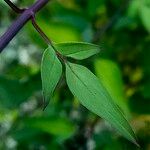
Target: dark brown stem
(46,39)
(44,36)
(14,7)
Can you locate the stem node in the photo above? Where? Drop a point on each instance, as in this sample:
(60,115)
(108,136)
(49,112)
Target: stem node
(25,16)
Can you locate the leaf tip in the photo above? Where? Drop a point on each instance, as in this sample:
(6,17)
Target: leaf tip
(45,104)
(136,143)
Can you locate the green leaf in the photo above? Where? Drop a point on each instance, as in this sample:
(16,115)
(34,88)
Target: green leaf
(33,127)
(51,70)
(13,92)
(133,8)
(93,95)
(95,7)
(110,75)
(77,50)
(52,125)
(145,15)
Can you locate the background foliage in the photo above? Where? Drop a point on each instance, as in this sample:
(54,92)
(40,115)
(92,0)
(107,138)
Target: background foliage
(122,29)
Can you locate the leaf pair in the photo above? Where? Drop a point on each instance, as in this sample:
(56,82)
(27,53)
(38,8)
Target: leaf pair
(51,68)
(83,84)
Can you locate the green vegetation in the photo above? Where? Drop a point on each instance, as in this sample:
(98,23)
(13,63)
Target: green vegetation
(119,57)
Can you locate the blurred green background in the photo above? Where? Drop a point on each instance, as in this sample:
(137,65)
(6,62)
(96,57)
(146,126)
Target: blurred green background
(122,29)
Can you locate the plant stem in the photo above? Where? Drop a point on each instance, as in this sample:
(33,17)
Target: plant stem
(43,35)
(14,7)
(20,22)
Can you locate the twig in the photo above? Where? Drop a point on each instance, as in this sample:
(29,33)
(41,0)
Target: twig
(14,7)
(43,35)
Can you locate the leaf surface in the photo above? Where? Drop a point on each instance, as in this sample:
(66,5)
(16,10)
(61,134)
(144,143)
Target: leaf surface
(110,75)
(145,15)
(53,125)
(92,94)
(77,50)
(51,70)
